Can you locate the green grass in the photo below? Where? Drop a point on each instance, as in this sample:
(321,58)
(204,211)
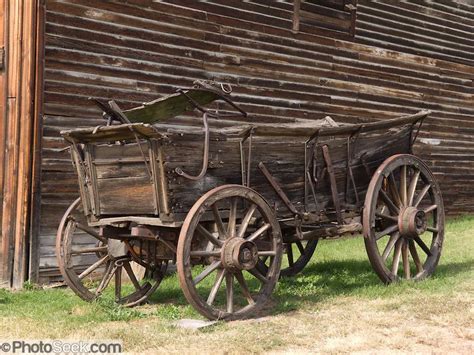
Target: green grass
(338,272)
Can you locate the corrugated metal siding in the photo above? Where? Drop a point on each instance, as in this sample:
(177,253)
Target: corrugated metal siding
(136,50)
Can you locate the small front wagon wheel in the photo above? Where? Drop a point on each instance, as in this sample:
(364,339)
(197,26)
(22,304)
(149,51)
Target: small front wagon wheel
(89,263)
(226,234)
(403,220)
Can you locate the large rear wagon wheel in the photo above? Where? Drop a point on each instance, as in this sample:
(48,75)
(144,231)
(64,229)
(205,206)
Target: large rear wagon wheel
(227,232)
(403,220)
(89,263)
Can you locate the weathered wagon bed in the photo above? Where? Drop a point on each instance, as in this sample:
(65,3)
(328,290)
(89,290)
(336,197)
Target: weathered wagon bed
(123,180)
(232,201)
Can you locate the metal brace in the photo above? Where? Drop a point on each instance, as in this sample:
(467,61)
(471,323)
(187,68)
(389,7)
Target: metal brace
(350,151)
(246,169)
(332,179)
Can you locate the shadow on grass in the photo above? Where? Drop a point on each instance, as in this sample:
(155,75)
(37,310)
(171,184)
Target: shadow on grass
(318,282)
(452,269)
(322,281)
(5,297)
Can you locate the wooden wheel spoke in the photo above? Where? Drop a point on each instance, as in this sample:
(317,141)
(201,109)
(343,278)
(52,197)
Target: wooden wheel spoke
(403,185)
(422,245)
(396,256)
(430,208)
(391,206)
(300,247)
(131,275)
(215,288)
(261,263)
(412,187)
(266,253)
(106,277)
(91,232)
(93,267)
(387,217)
(118,283)
(259,232)
(89,250)
(229,283)
(406,261)
(394,190)
(218,220)
(207,271)
(289,252)
(388,230)
(232,218)
(416,258)
(432,229)
(258,275)
(391,243)
(421,195)
(205,233)
(246,220)
(205,253)
(243,285)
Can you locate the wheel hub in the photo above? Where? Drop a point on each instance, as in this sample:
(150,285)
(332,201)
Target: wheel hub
(116,248)
(239,254)
(412,222)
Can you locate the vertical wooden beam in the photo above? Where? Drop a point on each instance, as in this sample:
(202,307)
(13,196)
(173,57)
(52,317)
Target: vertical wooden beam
(352,8)
(296,15)
(20,78)
(2,118)
(27,117)
(13,17)
(37,147)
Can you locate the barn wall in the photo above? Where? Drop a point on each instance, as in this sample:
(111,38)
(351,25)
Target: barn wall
(3,277)
(403,58)
(17,124)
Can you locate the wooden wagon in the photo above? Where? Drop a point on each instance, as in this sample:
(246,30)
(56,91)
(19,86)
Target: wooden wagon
(237,207)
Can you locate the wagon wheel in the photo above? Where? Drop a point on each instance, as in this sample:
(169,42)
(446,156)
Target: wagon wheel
(297,255)
(403,220)
(229,248)
(89,262)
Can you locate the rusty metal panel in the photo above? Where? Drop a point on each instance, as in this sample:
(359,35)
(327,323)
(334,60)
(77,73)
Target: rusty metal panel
(135,51)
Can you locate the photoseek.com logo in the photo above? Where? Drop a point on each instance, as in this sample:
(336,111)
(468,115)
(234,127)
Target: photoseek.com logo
(60,346)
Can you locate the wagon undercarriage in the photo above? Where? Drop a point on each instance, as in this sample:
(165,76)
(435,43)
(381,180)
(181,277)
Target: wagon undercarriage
(237,207)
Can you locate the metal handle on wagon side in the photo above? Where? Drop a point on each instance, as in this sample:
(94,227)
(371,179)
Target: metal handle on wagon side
(205,157)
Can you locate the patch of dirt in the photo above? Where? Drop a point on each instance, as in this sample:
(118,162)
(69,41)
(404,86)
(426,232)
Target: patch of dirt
(417,323)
